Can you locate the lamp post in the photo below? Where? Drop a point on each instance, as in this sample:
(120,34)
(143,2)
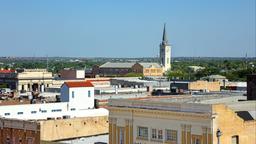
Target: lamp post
(218,134)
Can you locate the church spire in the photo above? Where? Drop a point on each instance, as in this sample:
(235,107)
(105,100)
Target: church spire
(164,40)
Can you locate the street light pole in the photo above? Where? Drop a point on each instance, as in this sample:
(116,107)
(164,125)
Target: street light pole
(218,134)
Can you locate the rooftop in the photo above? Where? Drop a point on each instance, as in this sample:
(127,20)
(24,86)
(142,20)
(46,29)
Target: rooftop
(194,104)
(7,71)
(79,84)
(117,65)
(150,65)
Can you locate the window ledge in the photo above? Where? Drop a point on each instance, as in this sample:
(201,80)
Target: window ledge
(157,140)
(142,138)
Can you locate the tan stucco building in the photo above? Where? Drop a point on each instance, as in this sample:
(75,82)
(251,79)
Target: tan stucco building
(160,121)
(27,79)
(204,85)
(148,69)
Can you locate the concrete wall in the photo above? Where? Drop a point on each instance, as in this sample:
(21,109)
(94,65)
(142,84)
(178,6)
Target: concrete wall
(72,128)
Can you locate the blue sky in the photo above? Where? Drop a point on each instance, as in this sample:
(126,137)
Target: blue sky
(131,28)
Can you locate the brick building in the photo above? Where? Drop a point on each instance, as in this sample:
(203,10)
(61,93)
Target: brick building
(14,131)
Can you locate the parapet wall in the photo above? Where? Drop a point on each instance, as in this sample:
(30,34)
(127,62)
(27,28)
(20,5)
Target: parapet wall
(52,130)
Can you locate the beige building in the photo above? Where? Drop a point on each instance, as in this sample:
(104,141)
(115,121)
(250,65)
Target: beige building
(204,85)
(167,122)
(34,79)
(60,129)
(148,69)
(27,79)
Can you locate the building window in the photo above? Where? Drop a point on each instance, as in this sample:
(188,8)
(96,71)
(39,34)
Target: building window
(56,110)
(160,134)
(7,140)
(235,139)
(20,113)
(33,112)
(171,135)
(153,134)
(30,140)
(121,135)
(7,114)
(44,111)
(73,94)
(142,132)
(197,141)
(73,109)
(89,93)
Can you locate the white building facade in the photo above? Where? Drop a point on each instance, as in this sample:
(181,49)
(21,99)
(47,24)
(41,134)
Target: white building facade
(77,100)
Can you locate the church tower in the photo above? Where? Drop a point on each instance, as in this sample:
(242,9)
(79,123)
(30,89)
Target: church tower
(165,52)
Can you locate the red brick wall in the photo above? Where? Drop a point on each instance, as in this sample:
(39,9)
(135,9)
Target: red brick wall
(19,136)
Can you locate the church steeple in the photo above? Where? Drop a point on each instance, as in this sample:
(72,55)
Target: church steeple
(165,52)
(164,40)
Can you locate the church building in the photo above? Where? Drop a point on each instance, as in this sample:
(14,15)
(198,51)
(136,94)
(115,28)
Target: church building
(112,69)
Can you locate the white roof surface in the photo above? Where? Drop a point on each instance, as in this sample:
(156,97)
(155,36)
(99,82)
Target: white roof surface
(87,140)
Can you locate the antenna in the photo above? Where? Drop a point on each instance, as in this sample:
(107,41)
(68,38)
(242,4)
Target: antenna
(47,63)
(246,61)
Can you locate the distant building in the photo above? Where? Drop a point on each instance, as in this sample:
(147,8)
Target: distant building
(165,52)
(196,68)
(113,69)
(148,69)
(26,79)
(213,78)
(251,87)
(240,86)
(182,121)
(196,86)
(72,74)
(122,69)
